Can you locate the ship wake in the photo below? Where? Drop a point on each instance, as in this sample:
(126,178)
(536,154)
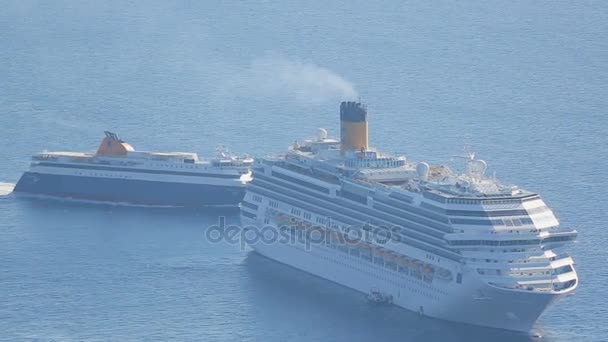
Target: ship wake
(6,188)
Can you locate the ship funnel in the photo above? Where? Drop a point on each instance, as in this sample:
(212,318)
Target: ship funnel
(353,126)
(112,145)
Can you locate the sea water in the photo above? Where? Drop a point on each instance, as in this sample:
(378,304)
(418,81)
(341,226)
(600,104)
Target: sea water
(523,83)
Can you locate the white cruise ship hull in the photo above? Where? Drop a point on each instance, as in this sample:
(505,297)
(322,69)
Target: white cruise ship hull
(472,302)
(457,246)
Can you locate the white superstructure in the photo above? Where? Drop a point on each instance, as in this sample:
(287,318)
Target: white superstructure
(453,245)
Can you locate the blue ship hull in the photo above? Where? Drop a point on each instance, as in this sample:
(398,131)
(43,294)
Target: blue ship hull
(138,192)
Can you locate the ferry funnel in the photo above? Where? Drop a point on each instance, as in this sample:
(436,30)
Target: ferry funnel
(353,126)
(112,145)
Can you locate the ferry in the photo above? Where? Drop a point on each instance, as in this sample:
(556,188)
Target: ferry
(117,173)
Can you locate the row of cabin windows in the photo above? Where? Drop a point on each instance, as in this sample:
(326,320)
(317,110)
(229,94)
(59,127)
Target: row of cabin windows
(511,242)
(294,211)
(495,261)
(102,175)
(226,164)
(298,212)
(494,242)
(514,212)
(496,222)
(491,271)
(484,201)
(433,258)
(178,166)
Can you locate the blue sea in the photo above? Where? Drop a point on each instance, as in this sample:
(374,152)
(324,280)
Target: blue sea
(524,83)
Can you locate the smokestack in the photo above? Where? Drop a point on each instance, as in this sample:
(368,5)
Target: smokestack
(353,126)
(112,145)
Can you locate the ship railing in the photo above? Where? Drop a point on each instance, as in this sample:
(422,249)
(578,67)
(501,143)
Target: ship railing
(44,157)
(520,287)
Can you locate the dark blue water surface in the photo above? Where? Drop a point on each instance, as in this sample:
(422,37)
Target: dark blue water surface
(525,83)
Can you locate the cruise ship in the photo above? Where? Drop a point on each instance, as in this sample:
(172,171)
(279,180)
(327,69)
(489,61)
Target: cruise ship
(117,173)
(445,242)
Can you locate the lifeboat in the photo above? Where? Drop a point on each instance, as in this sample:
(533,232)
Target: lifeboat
(444,274)
(382,253)
(411,263)
(427,269)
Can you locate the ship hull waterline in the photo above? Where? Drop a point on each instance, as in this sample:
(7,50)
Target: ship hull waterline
(129,191)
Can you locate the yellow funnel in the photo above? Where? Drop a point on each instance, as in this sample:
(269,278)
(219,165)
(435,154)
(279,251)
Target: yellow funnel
(353,126)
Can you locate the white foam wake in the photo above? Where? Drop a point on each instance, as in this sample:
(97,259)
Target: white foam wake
(6,188)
